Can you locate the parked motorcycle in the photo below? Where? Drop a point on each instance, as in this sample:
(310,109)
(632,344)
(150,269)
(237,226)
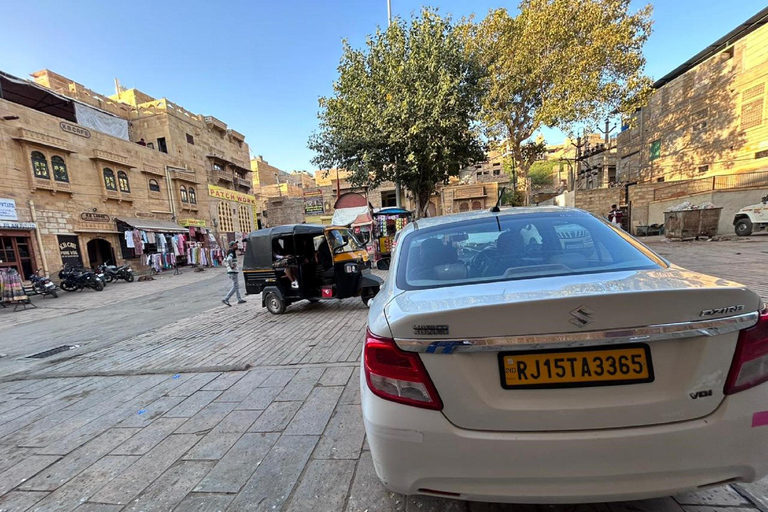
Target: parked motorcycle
(113,272)
(75,279)
(42,285)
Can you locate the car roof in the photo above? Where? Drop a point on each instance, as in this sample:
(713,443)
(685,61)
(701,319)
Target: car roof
(480,214)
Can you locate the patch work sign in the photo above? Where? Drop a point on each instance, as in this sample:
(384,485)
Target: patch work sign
(69,248)
(231,195)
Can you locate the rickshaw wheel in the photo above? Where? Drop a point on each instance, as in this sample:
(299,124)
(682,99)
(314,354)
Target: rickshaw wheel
(312,301)
(275,304)
(367,296)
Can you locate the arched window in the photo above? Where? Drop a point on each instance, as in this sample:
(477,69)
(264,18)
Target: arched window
(59,169)
(464,206)
(244,218)
(154,186)
(122,179)
(109,179)
(183,194)
(40,165)
(476,205)
(192,196)
(225,218)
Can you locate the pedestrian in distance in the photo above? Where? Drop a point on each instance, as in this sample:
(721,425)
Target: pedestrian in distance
(233,275)
(615,216)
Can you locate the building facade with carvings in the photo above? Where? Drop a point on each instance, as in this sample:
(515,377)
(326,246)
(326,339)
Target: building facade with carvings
(77,169)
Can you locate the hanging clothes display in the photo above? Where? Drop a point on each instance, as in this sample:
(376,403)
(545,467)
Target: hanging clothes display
(11,289)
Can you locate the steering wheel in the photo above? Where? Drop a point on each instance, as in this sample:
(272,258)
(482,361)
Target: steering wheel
(481,262)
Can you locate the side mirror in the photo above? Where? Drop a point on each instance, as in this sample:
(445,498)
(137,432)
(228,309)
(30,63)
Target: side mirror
(382,265)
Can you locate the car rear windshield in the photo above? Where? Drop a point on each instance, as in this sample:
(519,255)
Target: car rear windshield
(512,247)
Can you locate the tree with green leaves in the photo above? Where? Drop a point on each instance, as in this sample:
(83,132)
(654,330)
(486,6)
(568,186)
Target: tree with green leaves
(558,63)
(404,106)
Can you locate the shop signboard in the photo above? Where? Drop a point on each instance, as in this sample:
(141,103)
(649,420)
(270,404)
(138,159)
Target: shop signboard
(313,203)
(8,209)
(95,217)
(69,248)
(195,223)
(231,195)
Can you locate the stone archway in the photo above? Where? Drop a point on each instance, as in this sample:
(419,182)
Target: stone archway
(99,251)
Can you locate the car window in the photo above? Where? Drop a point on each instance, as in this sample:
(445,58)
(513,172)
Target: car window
(515,247)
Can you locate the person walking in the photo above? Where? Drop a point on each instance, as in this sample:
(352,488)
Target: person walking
(615,216)
(233,275)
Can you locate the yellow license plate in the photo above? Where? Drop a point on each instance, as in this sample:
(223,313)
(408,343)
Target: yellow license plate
(581,367)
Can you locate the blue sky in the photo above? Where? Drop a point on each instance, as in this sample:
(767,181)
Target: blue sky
(260,65)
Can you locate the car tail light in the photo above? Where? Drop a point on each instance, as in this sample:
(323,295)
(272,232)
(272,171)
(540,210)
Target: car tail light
(396,375)
(750,362)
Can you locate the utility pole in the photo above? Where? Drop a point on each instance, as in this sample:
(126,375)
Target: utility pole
(398,202)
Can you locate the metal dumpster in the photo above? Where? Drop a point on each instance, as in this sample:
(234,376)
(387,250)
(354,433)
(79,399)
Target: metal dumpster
(691,223)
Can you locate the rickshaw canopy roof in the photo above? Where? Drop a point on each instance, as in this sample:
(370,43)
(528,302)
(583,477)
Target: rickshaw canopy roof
(258,249)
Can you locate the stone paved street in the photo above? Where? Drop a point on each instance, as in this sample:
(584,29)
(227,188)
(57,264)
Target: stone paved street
(193,406)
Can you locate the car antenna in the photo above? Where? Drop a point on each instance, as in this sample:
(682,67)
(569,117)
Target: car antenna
(496,208)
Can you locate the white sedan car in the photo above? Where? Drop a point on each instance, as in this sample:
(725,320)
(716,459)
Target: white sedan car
(540,367)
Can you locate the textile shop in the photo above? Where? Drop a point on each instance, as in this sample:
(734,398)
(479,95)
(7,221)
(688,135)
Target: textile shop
(165,245)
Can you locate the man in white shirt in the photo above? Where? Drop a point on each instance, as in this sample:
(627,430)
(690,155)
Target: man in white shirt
(232,274)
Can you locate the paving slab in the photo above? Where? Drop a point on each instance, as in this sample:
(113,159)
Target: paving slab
(238,464)
(204,503)
(757,492)
(244,386)
(719,496)
(71,465)
(84,485)
(656,505)
(208,417)
(191,383)
(259,398)
(170,488)
(224,381)
(213,446)
(301,385)
(148,437)
(367,494)
(276,417)
(351,394)
(193,404)
(343,437)
(143,472)
(314,414)
(98,507)
(336,376)
(431,504)
(689,508)
(237,421)
(143,416)
(24,470)
(272,482)
(324,481)
(279,378)
(19,501)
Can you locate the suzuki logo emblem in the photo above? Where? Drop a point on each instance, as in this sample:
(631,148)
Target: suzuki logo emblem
(582,316)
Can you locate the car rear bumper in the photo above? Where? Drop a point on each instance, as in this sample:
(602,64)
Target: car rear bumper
(415,449)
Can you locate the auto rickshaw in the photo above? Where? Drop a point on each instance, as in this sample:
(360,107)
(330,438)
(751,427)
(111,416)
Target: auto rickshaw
(296,262)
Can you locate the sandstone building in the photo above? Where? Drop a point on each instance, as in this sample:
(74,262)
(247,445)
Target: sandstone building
(707,117)
(78,168)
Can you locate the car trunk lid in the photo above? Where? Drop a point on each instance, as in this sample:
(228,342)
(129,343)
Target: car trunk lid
(463,329)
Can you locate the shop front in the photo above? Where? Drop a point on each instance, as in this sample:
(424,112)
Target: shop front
(98,239)
(17,248)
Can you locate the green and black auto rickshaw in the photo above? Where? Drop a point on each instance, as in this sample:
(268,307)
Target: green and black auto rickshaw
(296,262)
